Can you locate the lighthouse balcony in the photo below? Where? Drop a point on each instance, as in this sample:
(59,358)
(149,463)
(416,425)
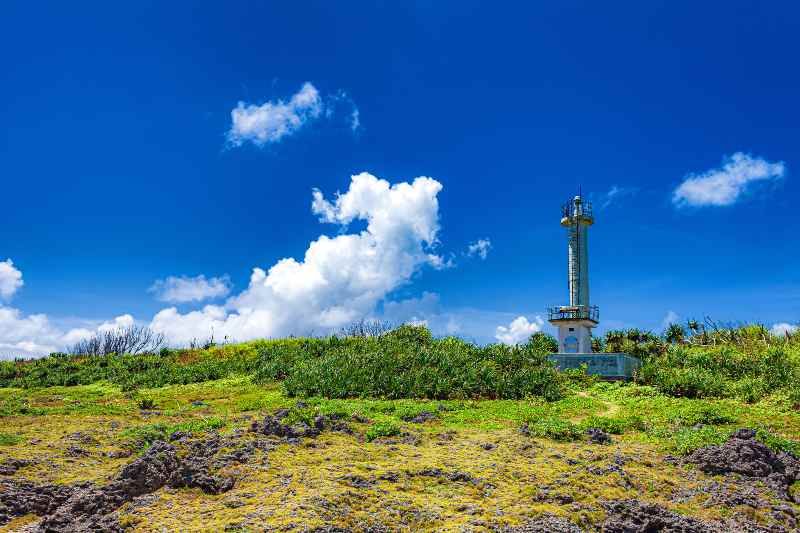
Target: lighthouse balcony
(574,312)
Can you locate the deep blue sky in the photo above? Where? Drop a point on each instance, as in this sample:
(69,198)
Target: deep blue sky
(115,170)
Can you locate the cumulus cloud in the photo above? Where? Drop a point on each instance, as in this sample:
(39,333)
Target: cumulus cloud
(10,279)
(190,289)
(480,248)
(725,185)
(35,335)
(340,279)
(782,328)
(519,330)
(272,121)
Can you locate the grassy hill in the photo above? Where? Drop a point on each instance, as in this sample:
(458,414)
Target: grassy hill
(405,432)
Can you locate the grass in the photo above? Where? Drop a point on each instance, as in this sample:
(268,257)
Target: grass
(382,429)
(9,439)
(309,480)
(143,436)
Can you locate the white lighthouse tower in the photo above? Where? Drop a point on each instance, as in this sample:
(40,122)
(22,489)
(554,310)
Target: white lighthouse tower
(576,320)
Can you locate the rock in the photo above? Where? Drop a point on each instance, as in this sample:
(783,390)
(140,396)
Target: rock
(18,498)
(743,454)
(488,446)
(545,524)
(634,516)
(76,451)
(10,466)
(424,416)
(359,482)
(179,436)
(455,475)
(119,454)
(89,508)
(598,436)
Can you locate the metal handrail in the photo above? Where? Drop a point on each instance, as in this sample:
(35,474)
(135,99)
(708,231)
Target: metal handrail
(566,312)
(568,211)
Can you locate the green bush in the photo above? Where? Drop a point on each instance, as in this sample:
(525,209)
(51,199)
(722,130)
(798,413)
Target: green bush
(742,369)
(686,440)
(382,429)
(409,363)
(692,414)
(131,372)
(554,428)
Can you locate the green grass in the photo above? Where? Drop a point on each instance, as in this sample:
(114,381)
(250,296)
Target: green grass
(382,429)
(143,436)
(9,439)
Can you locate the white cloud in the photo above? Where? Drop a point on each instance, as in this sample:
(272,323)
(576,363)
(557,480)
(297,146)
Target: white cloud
(274,120)
(519,330)
(187,289)
(783,328)
(121,322)
(480,248)
(723,186)
(35,335)
(340,279)
(10,279)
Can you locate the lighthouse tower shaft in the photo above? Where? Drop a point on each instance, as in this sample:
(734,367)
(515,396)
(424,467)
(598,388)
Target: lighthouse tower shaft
(576,320)
(577,224)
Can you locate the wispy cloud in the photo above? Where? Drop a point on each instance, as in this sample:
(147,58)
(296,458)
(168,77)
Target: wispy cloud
(614,194)
(479,248)
(725,185)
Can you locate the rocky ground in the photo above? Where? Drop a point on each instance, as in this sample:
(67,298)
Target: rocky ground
(267,469)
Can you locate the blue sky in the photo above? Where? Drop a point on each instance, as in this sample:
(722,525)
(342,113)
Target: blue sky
(126,173)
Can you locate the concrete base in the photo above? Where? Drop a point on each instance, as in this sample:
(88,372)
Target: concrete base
(612,366)
(574,335)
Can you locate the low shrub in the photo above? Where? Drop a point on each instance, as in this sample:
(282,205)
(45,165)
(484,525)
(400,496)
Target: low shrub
(409,363)
(554,428)
(382,429)
(695,413)
(686,440)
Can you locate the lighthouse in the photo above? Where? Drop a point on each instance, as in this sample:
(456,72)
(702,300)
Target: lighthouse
(576,320)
